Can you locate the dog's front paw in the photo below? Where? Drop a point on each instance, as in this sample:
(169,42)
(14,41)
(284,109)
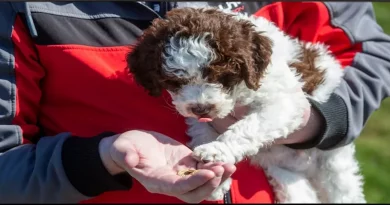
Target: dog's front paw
(214,152)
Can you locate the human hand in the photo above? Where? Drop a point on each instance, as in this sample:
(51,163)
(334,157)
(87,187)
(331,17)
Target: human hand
(154,159)
(310,128)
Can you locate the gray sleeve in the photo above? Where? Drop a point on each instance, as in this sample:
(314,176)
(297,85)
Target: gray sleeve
(366,82)
(57,169)
(34,174)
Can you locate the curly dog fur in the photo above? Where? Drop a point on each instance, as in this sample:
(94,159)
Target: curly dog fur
(211,61)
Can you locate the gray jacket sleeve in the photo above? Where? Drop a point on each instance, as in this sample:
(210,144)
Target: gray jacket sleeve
(34,174)
(366,82)
(57,169)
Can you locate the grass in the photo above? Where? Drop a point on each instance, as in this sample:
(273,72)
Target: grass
(372,151)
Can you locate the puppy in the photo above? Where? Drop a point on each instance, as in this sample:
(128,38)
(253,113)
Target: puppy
(211,61)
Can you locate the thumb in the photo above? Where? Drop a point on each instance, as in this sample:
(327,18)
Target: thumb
(125,154)
(131,158)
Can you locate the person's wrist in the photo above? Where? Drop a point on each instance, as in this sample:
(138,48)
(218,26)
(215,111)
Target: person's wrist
(105,149)
(315,125)
(84,166)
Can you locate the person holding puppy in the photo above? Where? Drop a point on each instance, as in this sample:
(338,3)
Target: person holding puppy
(77,129)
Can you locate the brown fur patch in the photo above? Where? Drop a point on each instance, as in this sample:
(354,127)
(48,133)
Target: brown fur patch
(311,76)
(242,53)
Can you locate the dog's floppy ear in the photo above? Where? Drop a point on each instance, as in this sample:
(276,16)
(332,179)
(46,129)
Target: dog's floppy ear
(144,65)
(144,61)
(261,49)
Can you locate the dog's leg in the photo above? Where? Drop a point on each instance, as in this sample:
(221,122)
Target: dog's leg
(202,133)
(339,176)
(290,187)
(281,114)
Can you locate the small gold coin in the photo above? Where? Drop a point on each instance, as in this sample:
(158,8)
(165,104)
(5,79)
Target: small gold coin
(186,172)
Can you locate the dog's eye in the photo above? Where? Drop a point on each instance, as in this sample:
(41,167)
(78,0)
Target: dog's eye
(173,85)
(179,72)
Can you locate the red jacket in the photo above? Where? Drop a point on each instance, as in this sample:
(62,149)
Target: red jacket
(66,77)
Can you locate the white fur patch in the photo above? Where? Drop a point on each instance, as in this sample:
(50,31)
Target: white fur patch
(185,57)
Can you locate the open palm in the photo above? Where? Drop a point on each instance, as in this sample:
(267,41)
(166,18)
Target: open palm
(154,160)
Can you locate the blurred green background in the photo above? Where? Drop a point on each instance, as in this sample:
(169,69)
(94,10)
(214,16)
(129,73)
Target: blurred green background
(373,150)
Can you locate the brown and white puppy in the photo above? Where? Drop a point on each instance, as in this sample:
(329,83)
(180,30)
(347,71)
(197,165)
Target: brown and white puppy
(211,61)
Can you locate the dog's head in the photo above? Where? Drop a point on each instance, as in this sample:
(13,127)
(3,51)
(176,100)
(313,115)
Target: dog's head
(199,56)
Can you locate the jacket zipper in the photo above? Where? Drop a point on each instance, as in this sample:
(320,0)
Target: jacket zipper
(227,198)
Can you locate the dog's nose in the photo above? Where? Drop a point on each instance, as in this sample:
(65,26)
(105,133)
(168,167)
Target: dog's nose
(200,109)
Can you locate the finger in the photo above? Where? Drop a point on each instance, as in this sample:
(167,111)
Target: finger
(188,183)
(202,192)
(208,165)
(229,169)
